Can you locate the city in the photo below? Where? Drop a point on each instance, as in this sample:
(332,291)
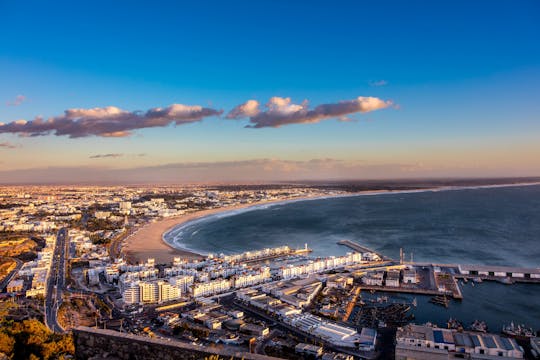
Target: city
(66,246)
(265,180)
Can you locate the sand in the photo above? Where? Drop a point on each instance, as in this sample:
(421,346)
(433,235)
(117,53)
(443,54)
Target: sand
(147,242)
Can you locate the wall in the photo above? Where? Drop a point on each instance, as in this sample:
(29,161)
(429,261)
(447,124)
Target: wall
(103,344)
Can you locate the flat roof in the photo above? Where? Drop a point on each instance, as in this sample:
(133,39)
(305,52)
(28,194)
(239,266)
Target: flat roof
(463,340)
(443,337)
(495,268)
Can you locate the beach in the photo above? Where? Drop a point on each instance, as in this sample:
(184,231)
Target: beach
(147,241)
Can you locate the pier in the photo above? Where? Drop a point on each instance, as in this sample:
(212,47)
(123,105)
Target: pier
(359,248)
(505,274)
(408,290)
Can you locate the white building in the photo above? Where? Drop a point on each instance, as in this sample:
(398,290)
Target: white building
(424,342)
(409,276)
(210,288)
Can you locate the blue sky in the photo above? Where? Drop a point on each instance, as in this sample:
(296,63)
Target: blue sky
(463,77)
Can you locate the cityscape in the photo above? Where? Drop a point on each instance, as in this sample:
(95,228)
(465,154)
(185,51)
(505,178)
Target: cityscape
(66,259)
(260,180)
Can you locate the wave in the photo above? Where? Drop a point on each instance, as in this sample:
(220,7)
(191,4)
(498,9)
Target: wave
(175,236)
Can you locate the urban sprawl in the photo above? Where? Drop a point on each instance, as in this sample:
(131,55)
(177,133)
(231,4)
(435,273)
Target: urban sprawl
(63,262)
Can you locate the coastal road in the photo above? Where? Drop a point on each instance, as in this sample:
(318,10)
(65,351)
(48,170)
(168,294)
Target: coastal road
(56,281)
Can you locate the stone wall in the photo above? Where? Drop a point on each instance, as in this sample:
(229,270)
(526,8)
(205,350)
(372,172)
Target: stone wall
(108,344)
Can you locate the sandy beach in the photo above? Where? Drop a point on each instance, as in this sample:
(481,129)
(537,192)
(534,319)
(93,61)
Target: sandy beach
(147,242)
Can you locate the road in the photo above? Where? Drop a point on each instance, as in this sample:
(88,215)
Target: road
(10,276)
(293,330)
(56,281)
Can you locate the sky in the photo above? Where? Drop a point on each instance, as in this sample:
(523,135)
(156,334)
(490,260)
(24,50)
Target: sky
(240,91)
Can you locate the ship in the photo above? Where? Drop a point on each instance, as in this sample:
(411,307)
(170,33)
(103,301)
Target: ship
(440,300)
(454,324)
(518,332)
(479,326)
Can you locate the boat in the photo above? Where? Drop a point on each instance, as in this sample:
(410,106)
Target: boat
(479,326)
(440,300)
(454,324)
(506,281)
(518,332)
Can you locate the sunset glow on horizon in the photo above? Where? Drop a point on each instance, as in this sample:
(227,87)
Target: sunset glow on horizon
(274,91)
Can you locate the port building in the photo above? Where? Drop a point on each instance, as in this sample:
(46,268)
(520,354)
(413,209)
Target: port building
(425,342)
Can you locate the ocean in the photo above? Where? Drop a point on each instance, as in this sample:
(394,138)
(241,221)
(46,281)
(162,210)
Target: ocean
(492,226)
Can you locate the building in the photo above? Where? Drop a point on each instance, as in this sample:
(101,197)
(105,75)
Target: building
(102,214)
(423,342)
(535,345)
(308,349)
(210,288)
(409,276)
(374,278)
(149,292)
(15,286)
(329,331)
(131,293)
(392,278)
(255,330)
(168,292)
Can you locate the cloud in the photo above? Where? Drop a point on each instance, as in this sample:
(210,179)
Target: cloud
(250,170)
(102,156)
(281,111)
(378,83)
(115,155)
(7,145)
(247,109)
(108,121)
(19,99)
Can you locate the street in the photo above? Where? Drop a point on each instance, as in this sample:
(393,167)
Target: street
(56,281)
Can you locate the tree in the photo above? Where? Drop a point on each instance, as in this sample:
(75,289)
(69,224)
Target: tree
(7,343)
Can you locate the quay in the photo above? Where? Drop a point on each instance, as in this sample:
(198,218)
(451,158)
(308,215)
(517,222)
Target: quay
(409,290)
(359,248)
(505,274)
(301,251)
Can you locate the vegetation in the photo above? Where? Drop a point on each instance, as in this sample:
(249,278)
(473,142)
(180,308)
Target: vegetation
(6,266)
(99,240)
(30,339)
(101,224)
(17,247)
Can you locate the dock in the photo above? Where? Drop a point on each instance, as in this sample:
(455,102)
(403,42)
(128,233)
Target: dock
(505,274)
(300,251)
(405,290)
(360,248)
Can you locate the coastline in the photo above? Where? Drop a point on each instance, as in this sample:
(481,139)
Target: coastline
(149,240)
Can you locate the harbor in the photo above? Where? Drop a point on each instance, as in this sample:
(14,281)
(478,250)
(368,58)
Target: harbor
(438,285)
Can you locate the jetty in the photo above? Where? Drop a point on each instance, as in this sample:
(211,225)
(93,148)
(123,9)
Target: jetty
(360,248)
(504,274)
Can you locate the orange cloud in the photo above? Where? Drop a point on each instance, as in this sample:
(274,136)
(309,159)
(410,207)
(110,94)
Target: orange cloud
(109,121)
(281,111)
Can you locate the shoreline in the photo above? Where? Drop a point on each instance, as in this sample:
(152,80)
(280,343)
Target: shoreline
(149,240)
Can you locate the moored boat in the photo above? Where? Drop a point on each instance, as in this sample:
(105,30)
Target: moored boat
(518,331)
(479,326)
